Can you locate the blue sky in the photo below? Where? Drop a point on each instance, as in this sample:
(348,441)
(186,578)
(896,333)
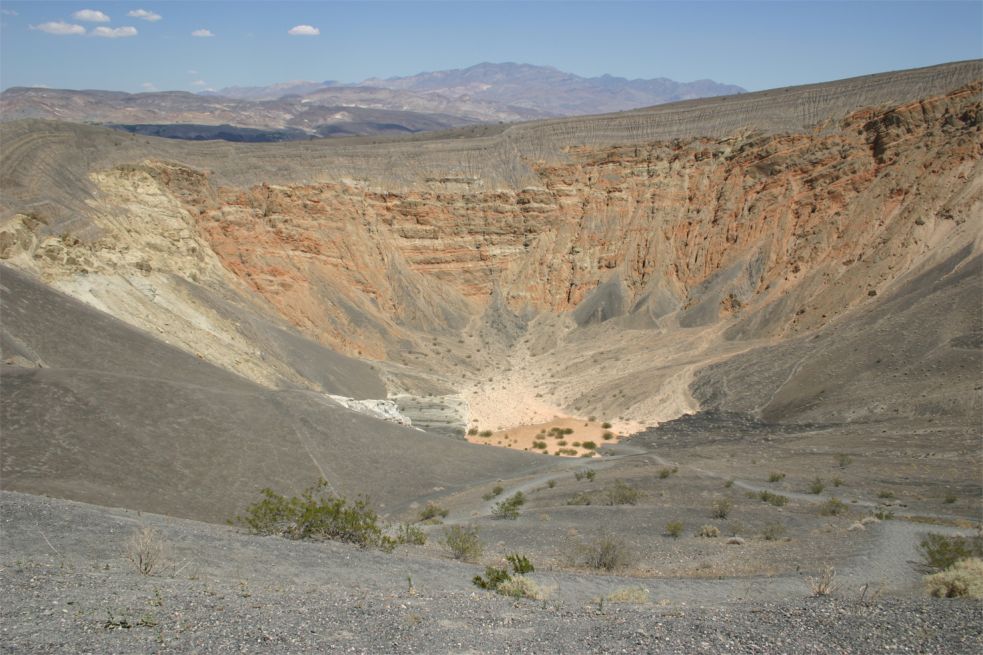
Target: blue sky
(145,45)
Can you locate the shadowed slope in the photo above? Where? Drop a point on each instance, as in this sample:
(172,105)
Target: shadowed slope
(115,417)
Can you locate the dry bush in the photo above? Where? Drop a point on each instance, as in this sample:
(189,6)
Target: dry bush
(709,531)
(962,579)
(633,595)
(822,584)
(622,494)
(608,553)
(146,550)
(519,586)
(721,508)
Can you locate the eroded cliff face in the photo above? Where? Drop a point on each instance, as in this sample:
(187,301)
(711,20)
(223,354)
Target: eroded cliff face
(615,251)
(712,228)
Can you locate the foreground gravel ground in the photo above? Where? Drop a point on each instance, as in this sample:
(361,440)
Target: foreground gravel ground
(67,589)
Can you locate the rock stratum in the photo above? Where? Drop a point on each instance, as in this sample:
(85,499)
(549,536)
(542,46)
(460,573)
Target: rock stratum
(809,254)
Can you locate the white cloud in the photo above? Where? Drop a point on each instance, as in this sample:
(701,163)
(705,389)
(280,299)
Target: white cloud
(60,28)
(113,32)
(91,16)
(303,30)
(8,12)
(148,86)
(144,15)
(202,33)
(199,83)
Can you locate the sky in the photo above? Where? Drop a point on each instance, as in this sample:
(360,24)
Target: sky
(193,46)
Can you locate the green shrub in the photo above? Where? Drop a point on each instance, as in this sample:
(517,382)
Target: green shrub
(520,563)
(567,430)
(410,534)
(561,442)
(539,444)
(774,476)
(622,494)
(566,451)
(463,542)
(509,508)
(607,553)
(472,432)
(606,425)
(939,551)
(950,497)
(551,483)
(674,529)
(963,579)
(886,495)
(607,436)
(816,486)
(485,433)
(728,484)
(589,474)
(589,445)
(316,514)
(777,500)
(842,460)
(837,481)
(883,514)
(833,507)
(510,584)
(576,444)
(432,511)
(665,473)
(721,508)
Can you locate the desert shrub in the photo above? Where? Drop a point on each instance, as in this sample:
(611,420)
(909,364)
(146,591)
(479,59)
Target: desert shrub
(674,529)
(950,497)
(777,500)
(145,550)
(551,483)
(622,494)
(316,515)
(607,436)
(432,510)
(633,595)
(883,514)
(842,460)
(822,584)
(519,586)
(963,579)
(589,445)
(665,473)
(939,551)
(576,444)
(566,451)
(709,531)
(589,474)
(837,481)
(579,499)
(606,425)
(485,433)
(561,442)
(496,491)
(728,484)
(721,508)
(509,508)
(774,476)
(410,534)
(817,486)
(833,507)
(520,563)
(567,431)
(539,444)
(607,553)
(886,495)
(510,584)
(463,542)
(773,532)
(472,432)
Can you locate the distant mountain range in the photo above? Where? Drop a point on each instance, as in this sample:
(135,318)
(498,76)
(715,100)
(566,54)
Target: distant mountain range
(484,93)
